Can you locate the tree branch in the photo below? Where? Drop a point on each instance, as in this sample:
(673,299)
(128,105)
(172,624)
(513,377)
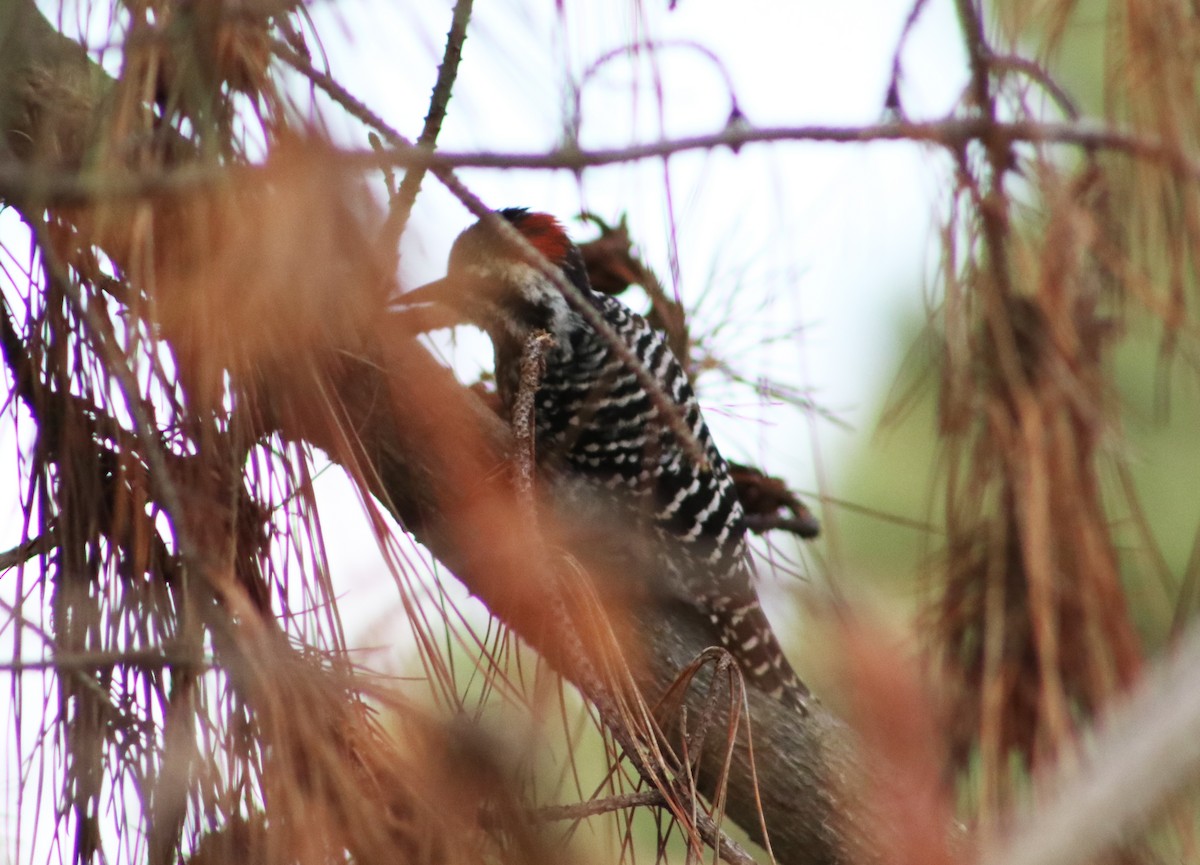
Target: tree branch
(582,810)
(22,553)
(22,182)
(401,205)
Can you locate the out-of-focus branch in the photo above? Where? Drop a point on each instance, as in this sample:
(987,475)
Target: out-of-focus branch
(1145,753)
(580,810)
(951,132)
(21,181)
(24,552)
(893,101)
(978,54)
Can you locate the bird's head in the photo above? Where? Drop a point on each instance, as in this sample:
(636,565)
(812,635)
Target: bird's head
(493,284)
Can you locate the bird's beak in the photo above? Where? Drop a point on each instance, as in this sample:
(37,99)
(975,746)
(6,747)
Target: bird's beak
(436,305)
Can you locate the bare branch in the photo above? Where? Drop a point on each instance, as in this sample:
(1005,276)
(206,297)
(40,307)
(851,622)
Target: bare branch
(1039,75)
(24,552)
(401,205)
(978,55)
(582,810)
(892,100)
(952,132)
(22,182)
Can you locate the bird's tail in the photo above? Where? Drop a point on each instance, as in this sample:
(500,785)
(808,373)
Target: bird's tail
(745,632)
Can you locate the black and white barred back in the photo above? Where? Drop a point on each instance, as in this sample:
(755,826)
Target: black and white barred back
(594,417)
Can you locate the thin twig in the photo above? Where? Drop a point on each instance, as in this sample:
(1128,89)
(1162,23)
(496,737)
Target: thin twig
(26,551)
(583,810)
(148,659)
(89,681)
(389,176)
(892,100)
(1040,76)
(877,514)
(631,50)
(21,182)
(401,205)
(951,132)
(978,54)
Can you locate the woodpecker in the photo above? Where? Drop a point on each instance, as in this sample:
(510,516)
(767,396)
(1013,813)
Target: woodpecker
(596,422)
